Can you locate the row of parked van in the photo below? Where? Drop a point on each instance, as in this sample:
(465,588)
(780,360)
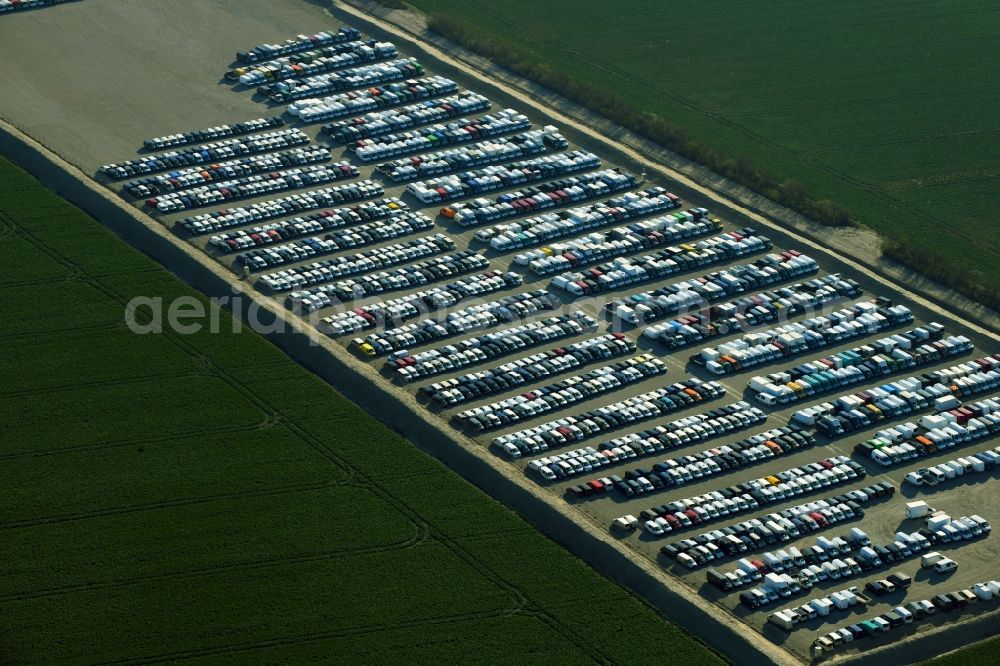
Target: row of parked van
(842,600)
(297,45)
(987,591)
(314,223)
(836,565)
(283,92)
(495,345)
(570,429)
(652,441)
(471,318)
(975,463)
(183,179)
(281,67)
(212,133)
(865,408)
(749,496)
(790,339)
(484,153)
(694,467)
(329,197)
(734,316)
(209,153)
(477,385)
(329,270)
(743,314)
(626,271)
(336,241)
(563,192)
(249,187)
(792,560)
(785,570)
(755,533)
(933,433)
(417,304)
(552,397)
(628,239)
(357,102)
(462,130)
(502,176)
(849,367)
(312,63)
(380,123)
(558,224)
(17,5)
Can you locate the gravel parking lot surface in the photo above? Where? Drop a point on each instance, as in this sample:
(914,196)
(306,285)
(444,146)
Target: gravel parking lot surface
(148,69)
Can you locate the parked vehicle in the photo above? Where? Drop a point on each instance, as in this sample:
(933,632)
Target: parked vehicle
(853,366)
(212,133)
(483,153)
(312,63)
(477,385)
(791,339)
(489,346)
(863,409)
(551,397)
(554,194)
(435,137)
(329,270)
(468,319)
(269,256)
(752,495)
(607,418)
(695,467)
(283,92)
(398,310)
(183,179)
(660,438)
(499,177)
(207,153)
(248,187)
(388,121)
(284,230)
(297,45)
(329,197)
(536,230)
(623,272)
(357,102)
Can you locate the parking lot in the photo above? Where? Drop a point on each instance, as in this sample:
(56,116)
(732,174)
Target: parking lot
(395,244)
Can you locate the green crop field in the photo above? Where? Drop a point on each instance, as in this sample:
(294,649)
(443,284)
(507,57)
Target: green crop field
(891,109)
(203,498)
(985,653)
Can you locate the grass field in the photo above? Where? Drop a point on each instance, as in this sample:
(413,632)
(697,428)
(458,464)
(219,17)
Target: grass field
(890,109)
(985,653)
(203,498)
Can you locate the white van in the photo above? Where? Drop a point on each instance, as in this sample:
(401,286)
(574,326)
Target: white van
(944,565)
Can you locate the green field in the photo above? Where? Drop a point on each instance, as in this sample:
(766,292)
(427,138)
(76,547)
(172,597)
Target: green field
(203,498)
(891,109)
(985,653)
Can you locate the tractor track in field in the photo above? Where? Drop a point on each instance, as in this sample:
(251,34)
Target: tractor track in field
(105,383)
(120,444)
(184,501)
(418,538)
(251,646)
